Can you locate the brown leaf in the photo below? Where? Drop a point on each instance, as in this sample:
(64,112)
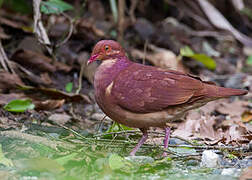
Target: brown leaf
(247,116)
(219,21)
(9,81)
(7,123)
(46,78)
(235,134)
(160,57)
(57,94)
(207,128)
(49,104)
(235,108)
(33,60)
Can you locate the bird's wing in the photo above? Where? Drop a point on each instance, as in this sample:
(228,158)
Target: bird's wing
(143,89)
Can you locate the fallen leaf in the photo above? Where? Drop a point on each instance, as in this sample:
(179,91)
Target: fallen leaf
(49,104)
(19,105)
(207,61)
(235,108)
(9,81)
(219,21)
(247,116)
(57,94)
(160,57)
(34,61)
(69,87)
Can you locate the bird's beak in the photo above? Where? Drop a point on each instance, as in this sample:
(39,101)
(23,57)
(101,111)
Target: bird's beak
(92,58)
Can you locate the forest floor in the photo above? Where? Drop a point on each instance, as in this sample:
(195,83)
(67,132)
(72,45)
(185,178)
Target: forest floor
(50,125)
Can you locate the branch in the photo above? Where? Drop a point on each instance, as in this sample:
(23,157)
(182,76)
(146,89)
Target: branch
(121,8)
(38,27)
(4,60)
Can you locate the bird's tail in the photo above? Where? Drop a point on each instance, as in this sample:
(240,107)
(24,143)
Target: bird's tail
(214,91)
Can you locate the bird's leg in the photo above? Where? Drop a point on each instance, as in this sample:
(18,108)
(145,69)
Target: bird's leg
(141,141)
(166,140)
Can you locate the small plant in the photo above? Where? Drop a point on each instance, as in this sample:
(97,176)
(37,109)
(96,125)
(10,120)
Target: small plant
(19,105)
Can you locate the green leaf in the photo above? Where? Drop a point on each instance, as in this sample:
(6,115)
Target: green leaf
(21,6)
(116,162)
(69,87)
(19,105)
(207,61)
(186,51)
(249,60)
(64,159)
(3,159)
(55,7)
(116,127)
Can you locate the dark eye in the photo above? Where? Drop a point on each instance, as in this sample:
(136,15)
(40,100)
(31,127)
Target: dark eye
(107,48)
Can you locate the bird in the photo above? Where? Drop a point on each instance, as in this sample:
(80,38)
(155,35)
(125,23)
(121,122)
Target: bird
(144,96)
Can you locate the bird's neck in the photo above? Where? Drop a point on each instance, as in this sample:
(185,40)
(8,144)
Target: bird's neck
(109,70)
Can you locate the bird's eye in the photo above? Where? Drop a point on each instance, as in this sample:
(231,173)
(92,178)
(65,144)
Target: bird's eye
(107,48)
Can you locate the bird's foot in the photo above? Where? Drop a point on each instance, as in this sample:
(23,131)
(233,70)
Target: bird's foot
(140,143)
(166,140)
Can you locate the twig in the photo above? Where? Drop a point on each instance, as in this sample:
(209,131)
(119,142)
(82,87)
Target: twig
(133,5)
(4,60)
(72,131)
(70,32)
(39,29)
(113,7)
(145,50)
(121,9)
(191,145)
(80,78)
(101,122)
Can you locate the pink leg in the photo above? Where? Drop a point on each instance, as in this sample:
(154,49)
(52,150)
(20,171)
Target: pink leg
(140,143)
(166,140)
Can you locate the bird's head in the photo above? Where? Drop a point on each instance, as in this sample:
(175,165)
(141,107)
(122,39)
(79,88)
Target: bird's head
(106,49)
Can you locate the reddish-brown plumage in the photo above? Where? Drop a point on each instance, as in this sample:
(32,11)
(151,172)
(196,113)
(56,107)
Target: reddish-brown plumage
(145,96)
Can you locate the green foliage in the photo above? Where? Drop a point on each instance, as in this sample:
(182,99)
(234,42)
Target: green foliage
(1,2)
(19,105)
(115,127)
(65,159)
(21,6)
(3,160)
(207,61)
(69,87)
(42,164)
(116,162)
(55,7)
(249,60)
(248,12)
